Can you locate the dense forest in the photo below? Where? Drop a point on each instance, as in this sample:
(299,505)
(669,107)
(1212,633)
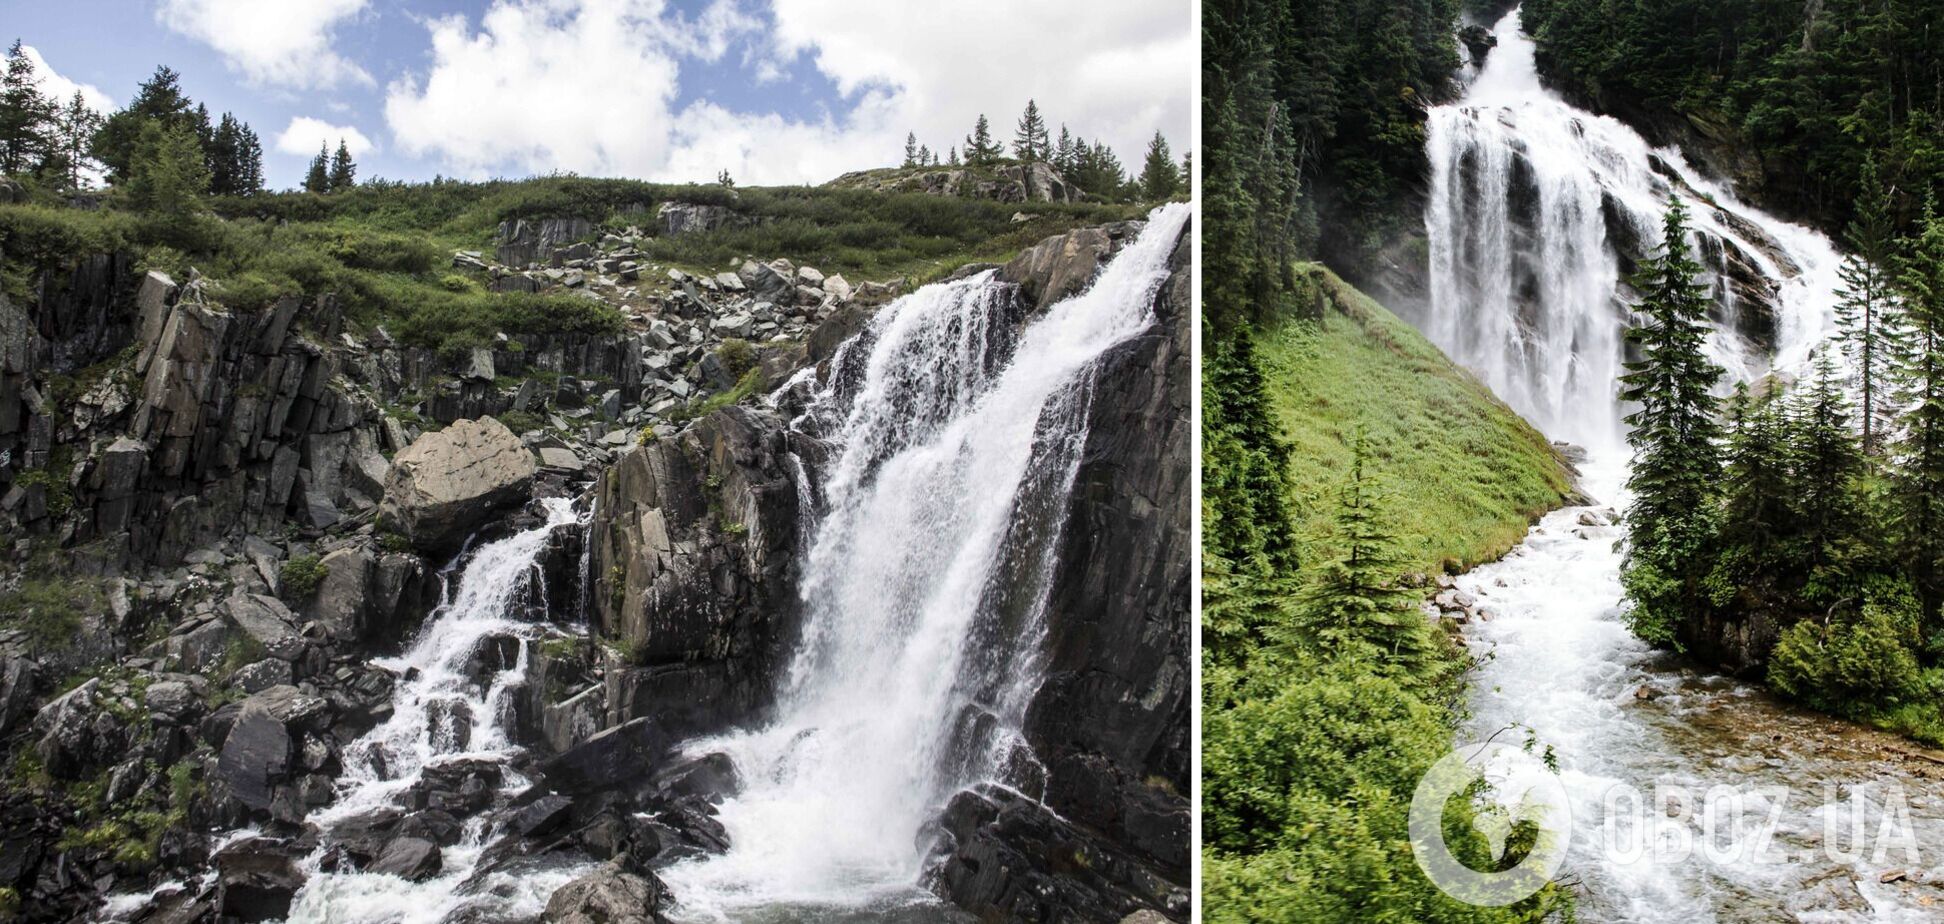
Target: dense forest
(1325,693)
(1799,95)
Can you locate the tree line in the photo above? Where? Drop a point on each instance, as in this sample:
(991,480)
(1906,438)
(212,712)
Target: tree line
(1815,507)
(1092,167)
(163,149)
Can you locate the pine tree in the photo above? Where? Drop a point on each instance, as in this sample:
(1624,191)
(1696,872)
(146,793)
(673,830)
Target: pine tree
(1872,332)
(344,171)
(318,178)
(167,175)
(1756,517)
(924,156)
(1826,460)
(74,132)
(1158,177)
(980,150)
(724,180)
(1920,473)
(1245,464)
(1353,603)
(249,161)
(158,99)
(27,118)
(1674,435)
(1098,171)
(911,149)
(1063,152)
(952,159)
(1029,139)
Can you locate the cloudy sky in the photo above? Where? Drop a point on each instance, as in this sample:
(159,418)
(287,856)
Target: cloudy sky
(775,91)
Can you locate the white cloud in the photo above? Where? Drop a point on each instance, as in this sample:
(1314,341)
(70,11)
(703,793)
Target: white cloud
(305,135)
(61,89)
(282,43)
(590,85)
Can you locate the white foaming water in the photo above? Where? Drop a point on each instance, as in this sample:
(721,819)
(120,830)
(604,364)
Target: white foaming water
(500,593)
(1524,277)
(923,587)
(1555,653)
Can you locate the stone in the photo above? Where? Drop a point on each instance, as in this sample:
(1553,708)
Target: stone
(691,217)
(447,482)
(609,758)
(733,325)
(837,287)
(764,283)
(810,276)
(262,675)
(173,700)
(17,679)
(256,879)
(544,815)
(559,459)
(608,895)
(255,756)
(410,858)
(479,366)
(1060,266)
(262,617)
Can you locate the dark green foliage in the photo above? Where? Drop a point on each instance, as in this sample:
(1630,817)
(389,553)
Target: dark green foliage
(1245,513)
(1853,666)
(1809,93)
(1160,177)
(160,99)
(1029,141)
(74,131)
(344,171)
(167,176)
(50,610)
(1920,474)
(980,149)
(1353,605)
(737,356)
(1674,435)
(27,117)
(317,177)
(1871,334)
(300,576)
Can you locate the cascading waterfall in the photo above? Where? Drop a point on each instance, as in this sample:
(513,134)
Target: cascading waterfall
(1529,196)
(956,442)
(442,712)
(1530,200)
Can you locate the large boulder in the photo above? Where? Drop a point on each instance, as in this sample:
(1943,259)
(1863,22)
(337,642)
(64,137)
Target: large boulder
(1061,266)
(607,896)
(447,482)
(17,678)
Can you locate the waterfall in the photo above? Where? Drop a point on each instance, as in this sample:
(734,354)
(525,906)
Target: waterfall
(1532,205)
(444,710)
(956,442)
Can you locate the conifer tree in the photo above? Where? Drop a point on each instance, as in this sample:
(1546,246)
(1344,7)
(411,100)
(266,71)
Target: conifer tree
(724,180)
(952,158)
(27,118)
(1674,436)
(1826,461)
(249,161)
(911,149)
(980,149)
(1159,179)
(925,157)
(1872,332)
(344,171)
(1920,473)
(1756,517)
(1063,152)
(1353,602)
(74,132)
(1029,139)
(318,178)
(168,175)
(159,98)
(1245,465)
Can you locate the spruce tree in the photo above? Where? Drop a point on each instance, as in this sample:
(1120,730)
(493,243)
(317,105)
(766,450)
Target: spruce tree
(1029,139)
(158,99)
(1826,461)
(911,149)
(952,158)
(1159,179)
(1872,332)
(924,156)
(1063,152)
(167,175)
(1353,603)
(1920,472)
(318,178)
(980,149)
(1674,435)
(249,161)
(1245,464)
(74,133)
(27,118)
(1756,519)
(344,171)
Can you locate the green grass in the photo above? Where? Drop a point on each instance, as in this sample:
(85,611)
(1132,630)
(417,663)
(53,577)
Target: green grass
(50,609)
(1463,475)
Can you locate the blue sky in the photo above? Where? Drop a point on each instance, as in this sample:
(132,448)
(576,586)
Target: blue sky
(775,91)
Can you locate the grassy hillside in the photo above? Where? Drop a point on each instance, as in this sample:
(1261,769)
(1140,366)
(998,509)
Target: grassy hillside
(1463,475)
(1317,726)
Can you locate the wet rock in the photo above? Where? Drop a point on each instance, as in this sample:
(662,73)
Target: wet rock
(1061,266)
(609,759)
(544,815)
(410,858)
(447,482)
(255,756)
(256,880)
(607,896)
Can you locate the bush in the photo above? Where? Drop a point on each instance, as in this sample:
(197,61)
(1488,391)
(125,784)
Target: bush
(301,575)
(737,356)
(50,610)
(1854,667)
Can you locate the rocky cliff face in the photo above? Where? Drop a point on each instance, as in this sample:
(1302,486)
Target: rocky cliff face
(1034,182)
(1110,834)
